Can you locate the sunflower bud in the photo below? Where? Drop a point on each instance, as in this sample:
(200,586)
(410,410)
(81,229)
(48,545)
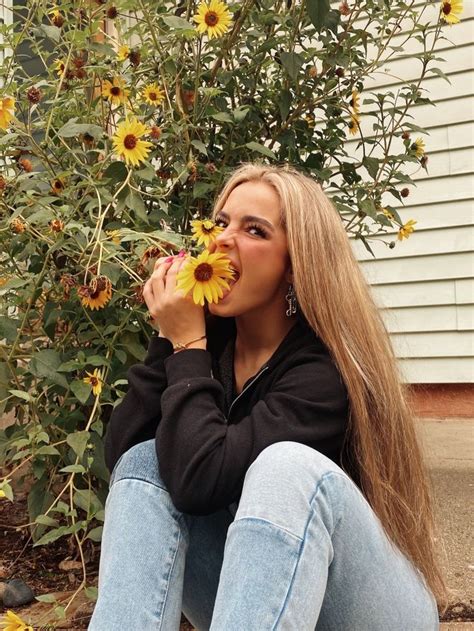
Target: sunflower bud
(406,135)
(339,72)
(313,72)
(34,94)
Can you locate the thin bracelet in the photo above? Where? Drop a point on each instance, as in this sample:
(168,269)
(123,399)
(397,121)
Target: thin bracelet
(179,346)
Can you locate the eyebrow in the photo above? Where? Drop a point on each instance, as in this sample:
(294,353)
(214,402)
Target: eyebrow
(246,218)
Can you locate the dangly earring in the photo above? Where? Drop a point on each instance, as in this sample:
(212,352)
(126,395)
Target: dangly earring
(292,302)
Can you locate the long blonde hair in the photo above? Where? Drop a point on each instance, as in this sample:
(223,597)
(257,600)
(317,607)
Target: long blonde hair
(336,301)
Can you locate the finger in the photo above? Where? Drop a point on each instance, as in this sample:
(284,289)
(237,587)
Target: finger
(161,260)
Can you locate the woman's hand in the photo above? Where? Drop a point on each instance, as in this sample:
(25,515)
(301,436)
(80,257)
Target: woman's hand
(175,316)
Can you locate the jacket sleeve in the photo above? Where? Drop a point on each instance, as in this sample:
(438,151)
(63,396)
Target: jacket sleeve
(203,459)
(136,417)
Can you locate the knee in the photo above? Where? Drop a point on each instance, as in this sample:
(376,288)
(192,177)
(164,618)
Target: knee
(289,462)
(140,462)
(281,484)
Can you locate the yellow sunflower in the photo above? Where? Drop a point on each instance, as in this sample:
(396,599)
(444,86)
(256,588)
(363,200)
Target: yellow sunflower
(353,124)
(450,11)
(153,94)
(127,141)
(419,147)
(97,293)
(206,276)
(60,67)
(95,380)
(123,52)
(205,231)
(114,91)
(355,102)
(406,230)
(7,106)
(114,236)
(12,622)
(2,493)
(213,18)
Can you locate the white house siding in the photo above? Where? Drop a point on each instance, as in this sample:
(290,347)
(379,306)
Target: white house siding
(6,17)
(425,286)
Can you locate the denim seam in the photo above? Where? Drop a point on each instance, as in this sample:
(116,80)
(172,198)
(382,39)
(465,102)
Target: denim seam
(310,517)
(267,521)
(172,564)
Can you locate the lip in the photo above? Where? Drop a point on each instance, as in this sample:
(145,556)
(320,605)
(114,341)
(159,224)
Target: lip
(227,292)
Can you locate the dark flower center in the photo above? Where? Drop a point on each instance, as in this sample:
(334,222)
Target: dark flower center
(211,18)
(203,272)
(207,230)
(152,96)
(446,8)
(130,141)
(115,90)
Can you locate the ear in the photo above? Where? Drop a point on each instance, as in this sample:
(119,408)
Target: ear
(289,275)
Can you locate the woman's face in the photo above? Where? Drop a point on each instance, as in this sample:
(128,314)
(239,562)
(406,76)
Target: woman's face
(257,248)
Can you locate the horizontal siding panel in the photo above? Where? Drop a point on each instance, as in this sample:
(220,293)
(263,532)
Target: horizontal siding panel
(427,319)
(448,162)
(433,344)
(397,71)
(464,290)
(465,318)
(440,214)
(416,294)
(445,370)
(422,242)
(432,267)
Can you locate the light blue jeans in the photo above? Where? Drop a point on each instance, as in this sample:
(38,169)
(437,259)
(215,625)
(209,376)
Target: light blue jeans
(304,551)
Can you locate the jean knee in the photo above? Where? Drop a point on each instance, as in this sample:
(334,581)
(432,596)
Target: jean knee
(280,485)
(140,462)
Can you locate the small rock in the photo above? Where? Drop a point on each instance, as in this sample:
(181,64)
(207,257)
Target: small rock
(17,593)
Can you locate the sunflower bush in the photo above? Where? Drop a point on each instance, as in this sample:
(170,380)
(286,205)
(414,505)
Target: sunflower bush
(119,143)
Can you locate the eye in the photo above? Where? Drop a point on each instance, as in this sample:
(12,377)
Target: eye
(260,231)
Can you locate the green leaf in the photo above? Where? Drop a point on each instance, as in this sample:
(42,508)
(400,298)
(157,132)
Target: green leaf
(284,104)
(47,450)
(318,11)
(46,521)
(180,24)
(48,31)
(292,63)
(367,206)
(73,468)
(256,146)
(116,171)
(223,117)
(8,328)
(78,441)
(95,534)
(135,202)
(440,73)
(46,598)
(91,593)
(200,146)
(372,166)
(200,189)
(71,129)
(45,364)
(240,113)
(87,501)
(81,390)
(7,489)
(26,396)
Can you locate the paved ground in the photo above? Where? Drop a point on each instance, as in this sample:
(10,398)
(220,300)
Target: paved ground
(449,451)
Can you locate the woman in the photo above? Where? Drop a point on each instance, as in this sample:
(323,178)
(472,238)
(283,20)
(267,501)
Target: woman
(267,475)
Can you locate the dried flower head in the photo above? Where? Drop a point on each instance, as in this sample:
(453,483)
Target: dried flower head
(57,225)
(67,281)
(155,132)
(34,94)
(3,184)
(112,12)
(405,192)
(25,165)
(134,57)
(313,72)
(17,225)
(344,8)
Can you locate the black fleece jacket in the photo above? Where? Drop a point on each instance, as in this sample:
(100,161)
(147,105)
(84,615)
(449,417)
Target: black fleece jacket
(206,436)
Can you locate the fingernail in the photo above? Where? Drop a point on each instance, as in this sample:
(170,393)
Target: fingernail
(169,259)
(182,253)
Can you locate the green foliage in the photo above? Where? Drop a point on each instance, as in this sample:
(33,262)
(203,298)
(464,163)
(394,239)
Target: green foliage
(277,87)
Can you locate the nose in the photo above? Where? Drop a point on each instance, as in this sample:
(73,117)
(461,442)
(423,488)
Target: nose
(224,241)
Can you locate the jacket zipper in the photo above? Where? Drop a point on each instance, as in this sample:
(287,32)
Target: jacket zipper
(246,388)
